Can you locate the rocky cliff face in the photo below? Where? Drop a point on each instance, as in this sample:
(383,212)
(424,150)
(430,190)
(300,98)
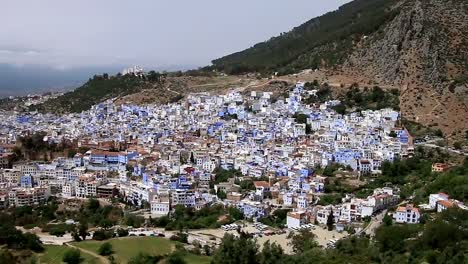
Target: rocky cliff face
(423,50)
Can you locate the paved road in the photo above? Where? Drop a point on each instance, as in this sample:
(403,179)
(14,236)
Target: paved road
(376,221)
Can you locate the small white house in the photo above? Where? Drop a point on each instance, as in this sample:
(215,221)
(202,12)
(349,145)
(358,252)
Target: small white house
(295,219)
(434,198)
(160,205)
(407,214)
(261,187)
(288,199)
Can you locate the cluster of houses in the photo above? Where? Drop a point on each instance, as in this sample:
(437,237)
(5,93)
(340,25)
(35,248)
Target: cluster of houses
(135,70)
(441,202)
(166,155)
(351,210)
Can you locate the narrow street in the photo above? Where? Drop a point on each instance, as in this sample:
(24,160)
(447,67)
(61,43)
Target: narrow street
(375,222)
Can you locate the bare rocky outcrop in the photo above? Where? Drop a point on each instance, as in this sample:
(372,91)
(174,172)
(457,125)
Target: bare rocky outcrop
(423,50)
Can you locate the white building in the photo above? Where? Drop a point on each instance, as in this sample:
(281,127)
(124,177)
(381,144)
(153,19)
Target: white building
(407,214)
(288,199)
(28,196)
(183,197)
(295,219)
(261,187)
(68,190)
(302,202)
(160,204)
(434,198)
(135,70)
(446,204)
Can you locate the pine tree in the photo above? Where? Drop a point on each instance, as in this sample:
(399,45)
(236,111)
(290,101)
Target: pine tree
(330,221)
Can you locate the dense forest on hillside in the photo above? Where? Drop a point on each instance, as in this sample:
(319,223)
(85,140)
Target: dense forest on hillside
(324,40)
(355,98)
(96,90)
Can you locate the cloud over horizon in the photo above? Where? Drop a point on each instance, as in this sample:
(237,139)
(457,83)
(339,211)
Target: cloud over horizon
(64,34)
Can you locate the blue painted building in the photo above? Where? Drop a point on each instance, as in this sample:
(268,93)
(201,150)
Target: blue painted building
(26,181)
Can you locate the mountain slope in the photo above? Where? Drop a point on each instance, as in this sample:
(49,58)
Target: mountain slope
(96,90)
(424,50)
(324,40)
(420,46)
(152,88)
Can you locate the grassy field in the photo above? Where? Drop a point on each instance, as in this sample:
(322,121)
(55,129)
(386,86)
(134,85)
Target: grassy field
(54,255)
(126,248)
(195,259)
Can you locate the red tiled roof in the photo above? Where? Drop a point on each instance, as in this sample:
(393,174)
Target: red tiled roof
(261,184)
(105,153)
(446,204)
(407,207)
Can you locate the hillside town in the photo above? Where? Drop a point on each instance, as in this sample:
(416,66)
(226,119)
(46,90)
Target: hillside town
(163,156)
(194,132)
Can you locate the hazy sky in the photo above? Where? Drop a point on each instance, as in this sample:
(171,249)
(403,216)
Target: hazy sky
(71,33)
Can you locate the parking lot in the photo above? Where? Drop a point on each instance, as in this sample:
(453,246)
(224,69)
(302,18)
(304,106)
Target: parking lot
(264,233)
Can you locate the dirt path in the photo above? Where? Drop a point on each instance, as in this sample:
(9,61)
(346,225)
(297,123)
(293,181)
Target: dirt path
(172,91)
(216,84)
(255,84)
(102,259)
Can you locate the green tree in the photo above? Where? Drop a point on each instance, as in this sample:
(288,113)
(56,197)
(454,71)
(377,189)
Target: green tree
(145,259)
(180,237)
(235,213)
(271,253)
(105,249)
(387,220)
(340,109)
(192,159)
(111,259)
(72,256)
(102,235)
(302,241)
(83,229)
(175,258)
(438,133)
(300,118)
(106,223)
(235,250)
(33,242)
(76,236)
(446,230)
(359,246)
(328,171)
(7,257)
(221,195)
(390,238)
(122,232)
(207,250)
(92,205)
(330,221)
